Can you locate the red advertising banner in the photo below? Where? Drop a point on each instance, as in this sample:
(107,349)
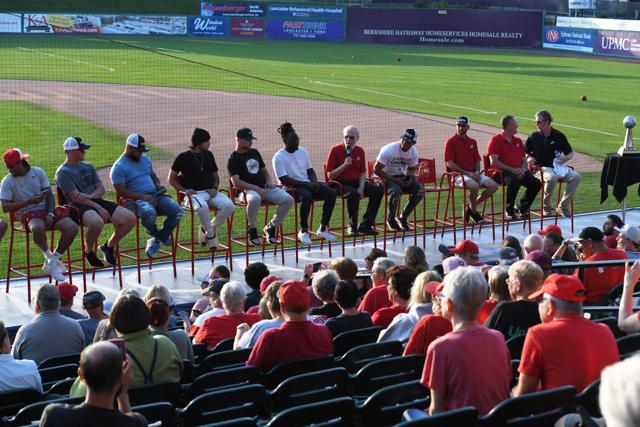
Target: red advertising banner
(246,27)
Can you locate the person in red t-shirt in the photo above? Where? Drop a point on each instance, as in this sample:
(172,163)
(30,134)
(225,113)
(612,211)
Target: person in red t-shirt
(461,155)
(431,326)
(377,297)
(399,290)
(297,338)
(346,164)
(507,155)
(566,349)
(218,328)
(611,227)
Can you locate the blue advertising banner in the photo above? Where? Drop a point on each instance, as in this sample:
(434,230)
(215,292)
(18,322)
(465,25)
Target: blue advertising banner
(204,26)
(231,9)
(296,11)
(305,30)
(574,39)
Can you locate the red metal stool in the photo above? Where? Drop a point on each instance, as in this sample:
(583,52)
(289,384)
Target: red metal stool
(427,176)
(539,212)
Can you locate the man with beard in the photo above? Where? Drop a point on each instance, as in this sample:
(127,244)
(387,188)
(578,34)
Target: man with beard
(133,177)
(611,228)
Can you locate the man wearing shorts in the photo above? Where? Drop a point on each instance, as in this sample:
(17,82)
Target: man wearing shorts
(461,155)
(26,191)
(195,172)
(83,189)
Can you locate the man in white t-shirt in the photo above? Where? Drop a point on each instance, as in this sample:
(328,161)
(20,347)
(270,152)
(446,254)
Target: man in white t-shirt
(293,168)
(395,165)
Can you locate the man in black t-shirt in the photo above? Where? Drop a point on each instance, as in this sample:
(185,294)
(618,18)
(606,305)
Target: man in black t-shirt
(346,295)
(107,378)
(195,172)
(549,150)
(247,172)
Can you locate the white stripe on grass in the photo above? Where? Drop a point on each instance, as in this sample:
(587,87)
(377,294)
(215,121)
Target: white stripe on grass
(573,127)
(38,52)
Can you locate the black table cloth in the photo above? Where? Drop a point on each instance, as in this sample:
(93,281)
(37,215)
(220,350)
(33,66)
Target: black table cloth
(619,172)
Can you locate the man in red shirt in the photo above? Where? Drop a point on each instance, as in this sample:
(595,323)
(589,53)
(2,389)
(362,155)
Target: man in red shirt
(461,155)
(399,291)
(346,164)
(218,328)
(468,252)
(377,297)
(507,155)
(297,338)
(566,348)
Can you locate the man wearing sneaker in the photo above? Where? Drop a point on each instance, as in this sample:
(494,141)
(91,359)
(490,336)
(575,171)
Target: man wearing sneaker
(507,155)
(248,172)
(395,164)
(195,172)
(133,177)
(292,166)
(461,155)
(83,189)
(549,150)
(347,165)
(26,191)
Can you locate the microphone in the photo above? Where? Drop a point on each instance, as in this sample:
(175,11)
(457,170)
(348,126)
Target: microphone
(348,151)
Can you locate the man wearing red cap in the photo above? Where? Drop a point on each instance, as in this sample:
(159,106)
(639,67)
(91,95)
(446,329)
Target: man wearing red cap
(67,293)
(566,349)
(26,191)
(297,338)
(468,251)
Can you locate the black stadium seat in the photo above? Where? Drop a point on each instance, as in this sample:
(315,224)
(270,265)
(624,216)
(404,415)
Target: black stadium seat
(628,345)
(222,379)
(386,371)
(309,388)
(33,412)
(347,340)
(50,376)
(335,412)
(161,391)
(588,398)
(51,362)
(285,370)
(223,360)
(458,417)
(239,402)
(385,406)
(12,401)
(514,345)
(358,357)
(162,412)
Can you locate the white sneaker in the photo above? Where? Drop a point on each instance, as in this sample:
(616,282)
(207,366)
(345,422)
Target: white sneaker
(61,265)
(50,267)
(213,240)
(202,236)
(305,238)
(326,234)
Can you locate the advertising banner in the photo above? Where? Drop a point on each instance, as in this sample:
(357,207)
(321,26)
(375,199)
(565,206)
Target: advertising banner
(158,25)
(598,23)
(573,39)
(231,9)
(547,5)
(10,23)
(582,4)
(203,26)
(450,27)
(56,23)
(296,11)
(617,43)
(306,30)
(247,27)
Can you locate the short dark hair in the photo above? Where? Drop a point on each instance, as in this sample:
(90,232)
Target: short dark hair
(3,332)
(554,237)
(506,120)
(129,314)
(101,368)
(401,280)
(254,273)
(223,271)
(616,220)
(346,294)
(159,311)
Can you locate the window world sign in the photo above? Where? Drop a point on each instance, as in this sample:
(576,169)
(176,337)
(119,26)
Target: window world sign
(294,11)
(203,26)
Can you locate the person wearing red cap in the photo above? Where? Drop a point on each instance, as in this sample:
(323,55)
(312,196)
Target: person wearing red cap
(566,349)
(26,192)
(469,252)
(297,338)
(550,228)
(429,327)
(399,291)
(67,293)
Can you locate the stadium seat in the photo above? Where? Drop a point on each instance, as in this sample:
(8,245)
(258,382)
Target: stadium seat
(347,340)
(309,388)
(385,406)
(539,211)
(613,296)
(514,344)
(515,374)
(589,399)
(199,352)
(52,362)
(50,376)
(161,391)
(281,372)
(612,323)
(12,401)
(61,388)
(223,360)
(467,416)
(358,357)
(427,176)
(238,422)
(188,371)
(335,412)
(222,379)
(159,412)
(245,401)
(543,406)
(628,345)
(224,345)
(33,412)
(385,372)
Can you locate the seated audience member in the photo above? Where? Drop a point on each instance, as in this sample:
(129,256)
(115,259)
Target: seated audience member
(451,366)
(513,242)
(619,392)
(345,268)
(420,303)
(373,254)
(93,304)
(551,228)
(247,336)
(213,294)
(154,358)
(324,286)
(610,228)
(34,339)
(533,242)
(108,380)
(105,330)
(253,275)
(399,290)
(542,259)
(217,272)
(545,362)
(346,295)
(507,256)
(16,374)
(162,292)
(261,308)
(159,310)
(498,289)
(513,318)
(297,338)
(628,321)
(377,297)
(429,327)
(451,263)
(67,292)
(468,252)
(415,258)
(218,328)
(629,241)
(552,244)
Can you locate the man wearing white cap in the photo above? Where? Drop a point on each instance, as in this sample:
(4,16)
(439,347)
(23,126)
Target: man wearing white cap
(83,188)
(629,240)
(133,177)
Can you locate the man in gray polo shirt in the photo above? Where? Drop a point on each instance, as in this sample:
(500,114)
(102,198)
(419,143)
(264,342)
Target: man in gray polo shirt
(49,334)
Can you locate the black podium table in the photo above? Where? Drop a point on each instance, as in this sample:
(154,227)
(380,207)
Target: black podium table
(619,172)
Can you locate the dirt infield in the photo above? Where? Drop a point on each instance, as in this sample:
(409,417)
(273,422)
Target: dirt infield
(166,118)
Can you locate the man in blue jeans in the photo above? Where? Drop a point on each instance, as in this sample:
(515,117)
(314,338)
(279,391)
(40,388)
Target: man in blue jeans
(133,177)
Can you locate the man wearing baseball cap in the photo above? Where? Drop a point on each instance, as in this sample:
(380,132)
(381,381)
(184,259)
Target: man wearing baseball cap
(395,165)
(81,187)
(566,349)
(461,156)
(297,338)
(195,173)
(469,252)
(26,191)
(93,304)
(133,177)
(629,240)
(67,294)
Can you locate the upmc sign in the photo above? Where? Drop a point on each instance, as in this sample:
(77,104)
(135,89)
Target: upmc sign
(617,43)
